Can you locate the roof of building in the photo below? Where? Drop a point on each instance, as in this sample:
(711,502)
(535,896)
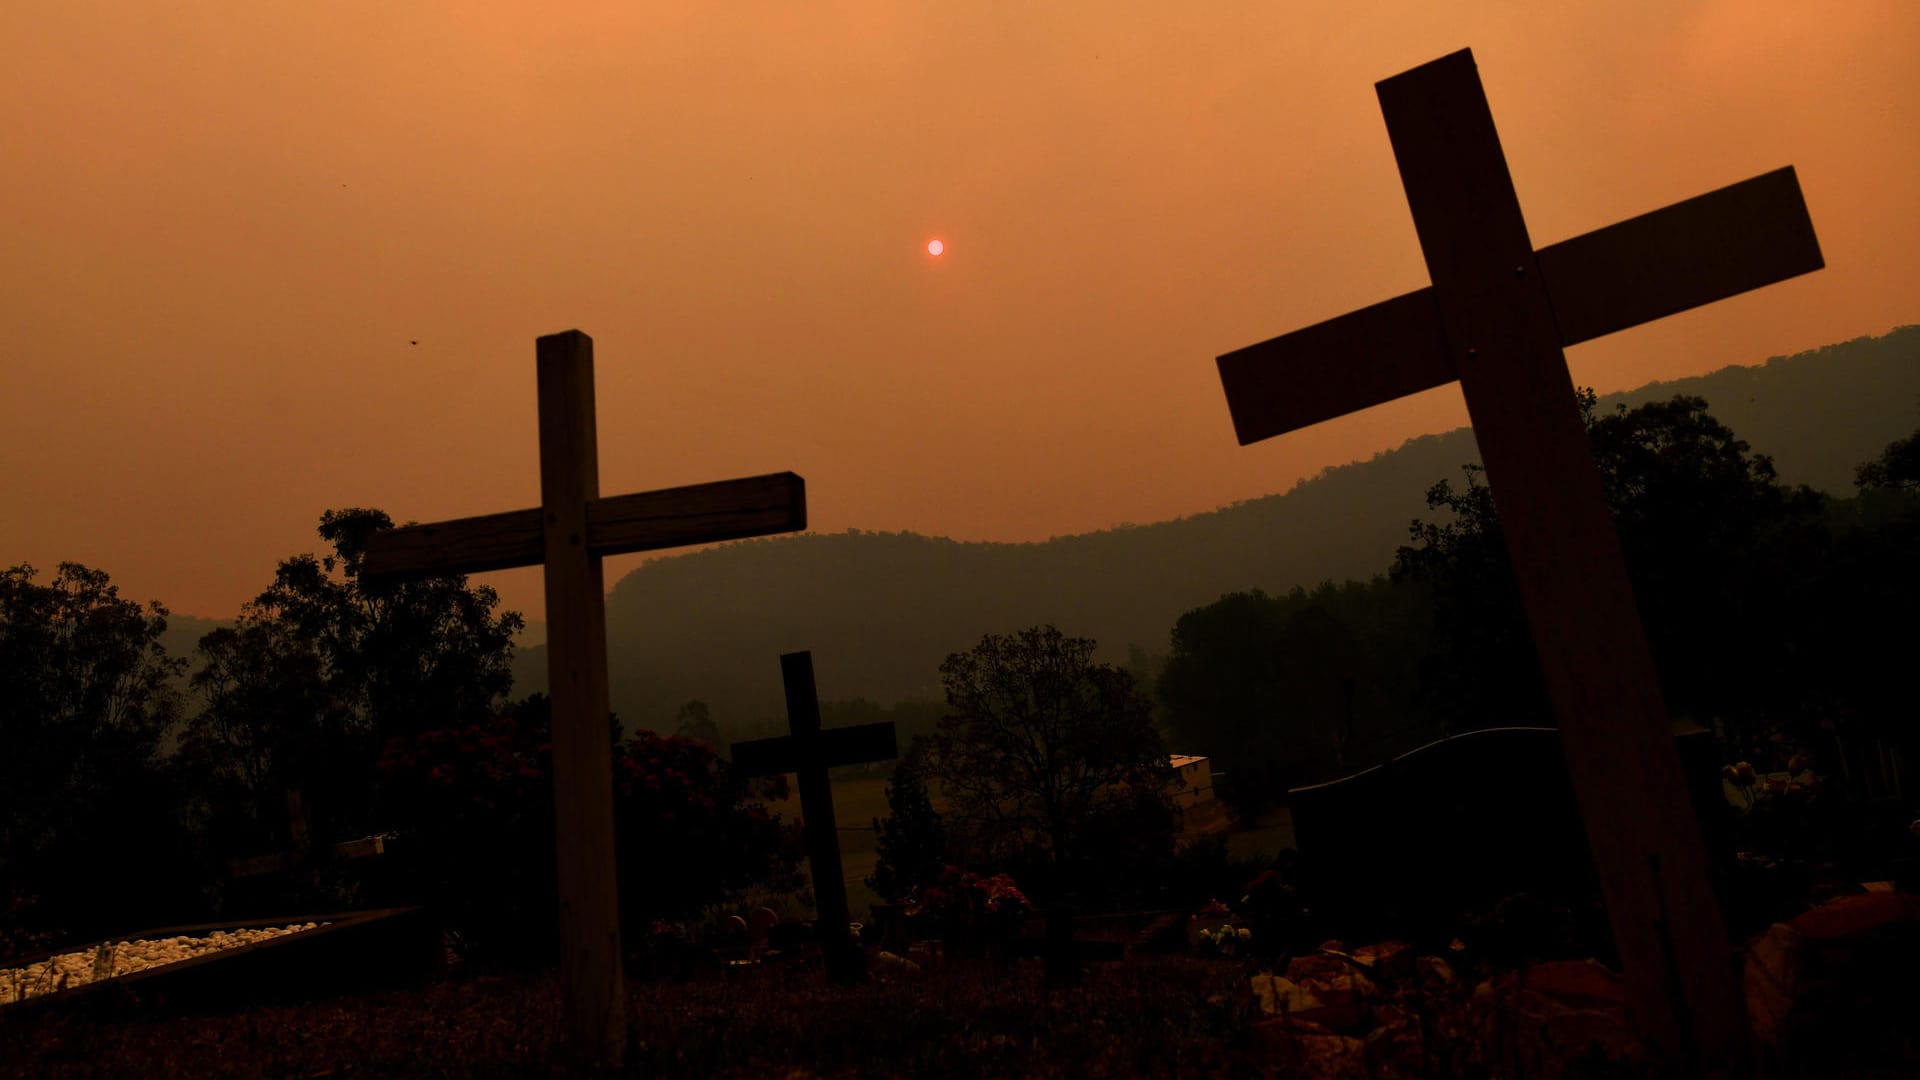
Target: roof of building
(1181,761)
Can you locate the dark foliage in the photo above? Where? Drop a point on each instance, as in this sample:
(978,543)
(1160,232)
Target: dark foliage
(911,839)
(1046,753)
(1774,613)
(1898,466)
(321,671)
(695,721)
(1290,689)
(476,805)
(86,801)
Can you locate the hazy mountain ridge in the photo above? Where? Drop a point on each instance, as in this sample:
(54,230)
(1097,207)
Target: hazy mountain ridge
(880,611)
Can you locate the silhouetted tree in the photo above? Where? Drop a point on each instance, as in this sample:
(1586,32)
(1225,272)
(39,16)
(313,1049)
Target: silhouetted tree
(1481,670)
(1861,638)
(323,668)
(693,721)
(1040,743)
(1290,689)
(1703,526)
(86,698)
(1898,466)
(912,841)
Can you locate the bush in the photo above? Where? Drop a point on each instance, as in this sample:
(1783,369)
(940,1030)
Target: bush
(973,914)
(478,803)
(912,841)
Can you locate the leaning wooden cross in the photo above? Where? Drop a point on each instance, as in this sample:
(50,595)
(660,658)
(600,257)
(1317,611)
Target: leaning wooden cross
(810,752)
(1496,318)
(299,853)
(571,530)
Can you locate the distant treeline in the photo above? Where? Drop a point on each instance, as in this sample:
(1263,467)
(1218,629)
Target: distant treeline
(880,611)
(1779,614)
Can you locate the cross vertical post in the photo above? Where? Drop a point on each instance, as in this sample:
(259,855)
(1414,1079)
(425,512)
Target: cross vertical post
(810,752)
(1495,318)
(577,685)
(571,530)
(1566,556)
(843,960)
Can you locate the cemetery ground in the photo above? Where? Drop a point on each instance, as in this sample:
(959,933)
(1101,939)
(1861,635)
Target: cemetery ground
(1518,996)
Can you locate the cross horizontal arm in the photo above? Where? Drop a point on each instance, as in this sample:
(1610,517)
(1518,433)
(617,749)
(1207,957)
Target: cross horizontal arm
(833,746)
(648,521)
(1357,360)
(1707,248)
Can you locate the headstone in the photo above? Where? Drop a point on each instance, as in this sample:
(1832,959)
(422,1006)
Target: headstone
(568,534)
(1410,846)
(1406,847)
(299,859)
(1416,841)
(1496,318)
(809,753)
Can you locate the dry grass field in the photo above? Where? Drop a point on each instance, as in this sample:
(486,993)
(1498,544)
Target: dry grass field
(856,802)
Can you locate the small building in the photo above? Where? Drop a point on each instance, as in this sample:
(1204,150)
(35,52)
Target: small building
(1192,781)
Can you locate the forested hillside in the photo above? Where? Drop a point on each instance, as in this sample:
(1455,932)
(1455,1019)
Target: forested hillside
(881,610)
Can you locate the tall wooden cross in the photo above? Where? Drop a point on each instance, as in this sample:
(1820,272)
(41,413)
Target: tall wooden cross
(810,752)
(569,532)
(1496,318)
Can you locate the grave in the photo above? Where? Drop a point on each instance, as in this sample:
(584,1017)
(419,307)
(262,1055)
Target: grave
(300,861)
(1402,849)
(342,952)
(809,753)
(1496,318)
(1407,847)
(568,534)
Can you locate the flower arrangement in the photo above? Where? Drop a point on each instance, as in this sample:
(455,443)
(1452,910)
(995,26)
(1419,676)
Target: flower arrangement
(1786,814)
(1750,789)
(1226,940)
(972,911)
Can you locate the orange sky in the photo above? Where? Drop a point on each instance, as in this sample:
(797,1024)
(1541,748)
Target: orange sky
(225,222)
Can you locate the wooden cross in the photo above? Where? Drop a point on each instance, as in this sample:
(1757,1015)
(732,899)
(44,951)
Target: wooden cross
(297,847)
(569,533)
(1496,318)
(810,752)
(299,850)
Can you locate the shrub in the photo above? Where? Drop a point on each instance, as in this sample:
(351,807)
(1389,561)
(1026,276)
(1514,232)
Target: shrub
(478,803)
(973,913)
(912,841)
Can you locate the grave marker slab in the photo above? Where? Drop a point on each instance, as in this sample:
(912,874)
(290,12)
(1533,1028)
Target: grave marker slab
(1459,823)
(809,752)
(568,534)
(1496,316)
(1451,826)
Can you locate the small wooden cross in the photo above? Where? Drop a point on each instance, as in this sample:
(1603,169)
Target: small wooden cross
(569,533)
(298,849)
(809,752)
(1496,318)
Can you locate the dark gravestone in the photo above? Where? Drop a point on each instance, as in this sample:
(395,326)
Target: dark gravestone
(1411,846)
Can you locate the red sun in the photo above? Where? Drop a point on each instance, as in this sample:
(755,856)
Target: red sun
(935,247)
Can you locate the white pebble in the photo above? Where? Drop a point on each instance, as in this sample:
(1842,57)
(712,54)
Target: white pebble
(71,969)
